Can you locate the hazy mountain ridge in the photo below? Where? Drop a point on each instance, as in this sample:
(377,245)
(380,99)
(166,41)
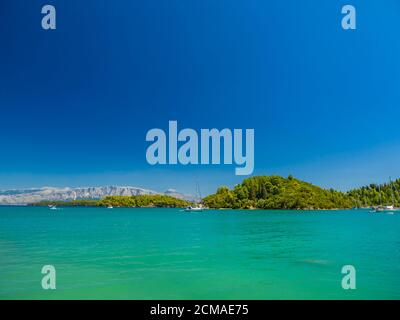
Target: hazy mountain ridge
(26,196)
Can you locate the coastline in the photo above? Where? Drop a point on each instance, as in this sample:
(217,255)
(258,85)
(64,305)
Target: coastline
(253,193)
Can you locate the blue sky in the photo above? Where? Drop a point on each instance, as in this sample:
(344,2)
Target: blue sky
(76,103)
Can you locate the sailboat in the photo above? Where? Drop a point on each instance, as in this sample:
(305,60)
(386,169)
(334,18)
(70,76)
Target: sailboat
(389,209)
(194,209)
(199,207)
(376,209)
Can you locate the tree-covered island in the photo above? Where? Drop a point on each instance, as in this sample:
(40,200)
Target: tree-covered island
(275,192)
(260,192)
(140,201)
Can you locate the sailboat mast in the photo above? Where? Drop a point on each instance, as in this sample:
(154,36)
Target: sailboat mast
(393,192)
(198,192)
(380,194)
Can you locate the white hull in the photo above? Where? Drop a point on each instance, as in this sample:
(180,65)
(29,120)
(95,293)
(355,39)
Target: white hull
(193,209)
(386,210)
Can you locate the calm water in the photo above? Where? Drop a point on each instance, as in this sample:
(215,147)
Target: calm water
(168,254)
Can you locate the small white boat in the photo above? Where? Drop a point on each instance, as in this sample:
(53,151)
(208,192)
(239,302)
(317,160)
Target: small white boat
(110,207)
(51,207)
(390,210)
(385,209)
(194,209)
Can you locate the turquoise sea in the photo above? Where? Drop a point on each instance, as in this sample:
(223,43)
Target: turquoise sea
(100,253)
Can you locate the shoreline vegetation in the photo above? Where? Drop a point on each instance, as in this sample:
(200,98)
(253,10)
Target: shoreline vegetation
(140,201)
(278,193)
(259,192)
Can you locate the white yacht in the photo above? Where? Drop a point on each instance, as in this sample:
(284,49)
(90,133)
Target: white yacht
(196,207)
(389,209)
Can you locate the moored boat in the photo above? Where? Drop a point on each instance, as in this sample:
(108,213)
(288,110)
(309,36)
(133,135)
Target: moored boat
(194,209)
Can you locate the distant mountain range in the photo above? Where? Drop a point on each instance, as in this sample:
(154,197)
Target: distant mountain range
(26,196)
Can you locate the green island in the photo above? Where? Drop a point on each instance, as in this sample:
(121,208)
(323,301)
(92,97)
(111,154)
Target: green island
(260,192)
(275,192)
(140,201)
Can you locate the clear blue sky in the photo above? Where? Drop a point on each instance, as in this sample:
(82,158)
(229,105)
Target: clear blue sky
(76,103)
